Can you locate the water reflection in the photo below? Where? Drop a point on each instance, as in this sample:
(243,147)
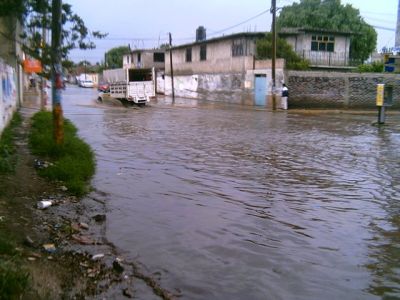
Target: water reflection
(384,245)
(232,203)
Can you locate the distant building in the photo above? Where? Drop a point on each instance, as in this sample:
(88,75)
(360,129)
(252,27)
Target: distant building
(222,69)
(322,48)
(145,58)
(391,63)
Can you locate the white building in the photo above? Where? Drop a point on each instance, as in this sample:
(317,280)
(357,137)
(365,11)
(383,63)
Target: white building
(222,69)
(322,48)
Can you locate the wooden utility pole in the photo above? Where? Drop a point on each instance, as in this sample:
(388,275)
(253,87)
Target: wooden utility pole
(43,80)
(171,66)
(273,11)
(56,72)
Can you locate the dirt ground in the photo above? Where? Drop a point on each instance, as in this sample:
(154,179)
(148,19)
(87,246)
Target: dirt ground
(63,246)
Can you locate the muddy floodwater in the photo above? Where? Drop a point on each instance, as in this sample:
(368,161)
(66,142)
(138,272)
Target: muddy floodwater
(230,202)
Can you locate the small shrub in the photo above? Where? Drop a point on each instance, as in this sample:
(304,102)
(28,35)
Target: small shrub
(73,161)
(375,67)
(14,280)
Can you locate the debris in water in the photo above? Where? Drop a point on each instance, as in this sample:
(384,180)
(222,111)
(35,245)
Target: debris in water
(99,218)
(127,293)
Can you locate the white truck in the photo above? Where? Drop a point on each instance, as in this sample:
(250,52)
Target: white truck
(133,85)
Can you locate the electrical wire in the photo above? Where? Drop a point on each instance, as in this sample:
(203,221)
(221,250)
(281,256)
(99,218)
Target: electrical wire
(241,23)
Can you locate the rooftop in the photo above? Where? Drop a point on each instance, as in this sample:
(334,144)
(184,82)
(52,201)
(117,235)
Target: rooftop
(256,35)
(298,30)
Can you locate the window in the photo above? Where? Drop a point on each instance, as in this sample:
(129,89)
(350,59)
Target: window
(139,57)
(323,43)
(158,57)
(188,54)
(237,48)
(203,52)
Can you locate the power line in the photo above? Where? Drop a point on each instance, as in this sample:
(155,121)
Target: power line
(377,13)
(384,28)
(241,23)
(381,20)
(184,38)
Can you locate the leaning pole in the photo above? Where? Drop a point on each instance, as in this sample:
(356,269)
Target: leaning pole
(56,72)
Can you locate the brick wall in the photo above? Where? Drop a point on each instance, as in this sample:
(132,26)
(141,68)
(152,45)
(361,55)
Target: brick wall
(338,90)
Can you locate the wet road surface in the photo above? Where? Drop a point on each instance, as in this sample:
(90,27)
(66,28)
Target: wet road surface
(227,202)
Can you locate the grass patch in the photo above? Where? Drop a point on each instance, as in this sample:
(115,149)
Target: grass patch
(14,279)
(73,162)
(8,157)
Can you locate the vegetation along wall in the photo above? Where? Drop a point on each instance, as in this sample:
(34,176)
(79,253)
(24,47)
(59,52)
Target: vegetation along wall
(338,90)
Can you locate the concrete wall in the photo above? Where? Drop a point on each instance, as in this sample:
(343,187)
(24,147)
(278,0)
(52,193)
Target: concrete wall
(338,90)
(219,60)
(301,43)
(146,60)
(8,93)
(230,87)
(11,78)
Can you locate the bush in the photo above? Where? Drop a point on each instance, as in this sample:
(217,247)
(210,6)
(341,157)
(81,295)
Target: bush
(73,161)
(14,280)
(375,67)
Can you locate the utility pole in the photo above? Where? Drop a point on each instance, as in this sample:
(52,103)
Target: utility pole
(172,69)
(56,72)
(397,37)
(273,11)
(43,80)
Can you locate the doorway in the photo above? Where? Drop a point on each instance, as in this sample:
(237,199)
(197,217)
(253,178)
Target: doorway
(260,89)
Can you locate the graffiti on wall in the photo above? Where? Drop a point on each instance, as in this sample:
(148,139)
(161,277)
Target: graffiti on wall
(8,93)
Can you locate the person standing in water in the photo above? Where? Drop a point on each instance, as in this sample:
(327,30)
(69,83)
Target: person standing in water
(285,95)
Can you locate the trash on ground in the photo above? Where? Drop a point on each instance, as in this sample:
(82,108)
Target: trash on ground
(44,204)
(41,164)
(82,239)
(28,241)
(117,265)
(97,256)
(83,225)
(127,293)
(49,247)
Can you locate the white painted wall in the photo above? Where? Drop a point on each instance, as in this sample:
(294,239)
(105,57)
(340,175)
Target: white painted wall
(8,94)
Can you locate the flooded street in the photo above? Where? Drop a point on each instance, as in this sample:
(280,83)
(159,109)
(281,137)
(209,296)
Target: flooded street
(230,202)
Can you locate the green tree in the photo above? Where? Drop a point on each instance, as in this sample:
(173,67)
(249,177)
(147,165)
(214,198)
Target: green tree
(35,15)
(283,50)
(114,56)
(331,15)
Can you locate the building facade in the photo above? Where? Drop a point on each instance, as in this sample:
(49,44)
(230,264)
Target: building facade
(145,58)
(322,48)
(11,74)
(222,69)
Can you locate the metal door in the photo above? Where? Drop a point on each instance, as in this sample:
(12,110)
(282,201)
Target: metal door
(260,89)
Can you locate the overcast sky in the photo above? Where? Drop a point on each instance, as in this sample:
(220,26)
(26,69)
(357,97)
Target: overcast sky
(146,23)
